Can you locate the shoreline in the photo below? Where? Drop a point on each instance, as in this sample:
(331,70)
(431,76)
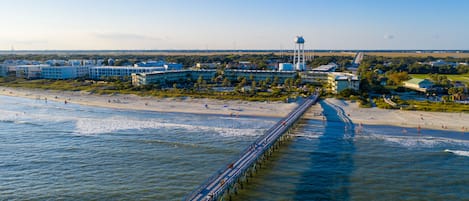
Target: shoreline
(443,121)
(367,116)
(173,105)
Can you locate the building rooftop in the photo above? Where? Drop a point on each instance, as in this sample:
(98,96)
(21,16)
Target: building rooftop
(326,68)
(345,76)
(176,71)
(417,81)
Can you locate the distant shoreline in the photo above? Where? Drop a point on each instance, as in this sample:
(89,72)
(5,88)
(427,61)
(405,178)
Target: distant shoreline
(195,52)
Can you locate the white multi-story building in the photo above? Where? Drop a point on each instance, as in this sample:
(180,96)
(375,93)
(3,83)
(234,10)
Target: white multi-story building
(259,75)
(99,72)
(173,66)
(65,72)
(29,71)
(164,77)
(150,64)
(341,81)
(314,77)
(56,62)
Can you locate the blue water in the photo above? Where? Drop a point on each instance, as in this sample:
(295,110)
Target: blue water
(327,162)
(52,151)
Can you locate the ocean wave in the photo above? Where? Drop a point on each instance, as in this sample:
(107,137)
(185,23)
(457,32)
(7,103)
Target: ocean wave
(112,124)
(457,152)
(309,135)
(85,122)
(414,141)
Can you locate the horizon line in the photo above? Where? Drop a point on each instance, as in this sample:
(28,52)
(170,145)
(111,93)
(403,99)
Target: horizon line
(229,50)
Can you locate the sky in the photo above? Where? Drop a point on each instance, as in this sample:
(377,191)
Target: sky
(233,24)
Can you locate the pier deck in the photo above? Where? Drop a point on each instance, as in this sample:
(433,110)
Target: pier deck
(216,185)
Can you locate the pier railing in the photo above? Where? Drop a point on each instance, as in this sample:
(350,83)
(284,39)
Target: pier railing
(225,177)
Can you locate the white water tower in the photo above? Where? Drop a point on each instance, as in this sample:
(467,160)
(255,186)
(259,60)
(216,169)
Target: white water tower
(299,54)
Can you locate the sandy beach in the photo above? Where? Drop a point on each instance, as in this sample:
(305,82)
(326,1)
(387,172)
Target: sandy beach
(367,116)
(410,119)
(134,102)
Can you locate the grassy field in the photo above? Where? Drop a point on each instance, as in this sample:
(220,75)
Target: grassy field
(453,77)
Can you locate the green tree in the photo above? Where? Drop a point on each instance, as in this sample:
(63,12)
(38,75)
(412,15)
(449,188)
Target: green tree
(456,93)
(253,87)
(226,82)
(251,77)
(397,78)
(263,85)
(200,80)
(242,83)
(268,80)
(298,81)
(276,81)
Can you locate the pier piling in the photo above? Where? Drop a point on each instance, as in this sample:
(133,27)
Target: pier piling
(226,181)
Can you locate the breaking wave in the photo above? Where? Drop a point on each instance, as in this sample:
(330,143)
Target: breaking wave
(109,125)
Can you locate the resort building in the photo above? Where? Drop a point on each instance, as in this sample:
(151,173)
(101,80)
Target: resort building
(418,84)
(341,81)
(64,72)
(331,67)
(99,72)
(150,64)
(173,66)
(29,71)
(55,62)
(3,70)
(314,77)
(208,65)
(244,65)
(163,77)
(285,67)
(259,75)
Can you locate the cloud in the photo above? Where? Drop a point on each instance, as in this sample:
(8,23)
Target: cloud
(124,36)
(388,36)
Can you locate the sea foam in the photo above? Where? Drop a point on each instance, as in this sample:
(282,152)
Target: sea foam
(458,152)
(112,124)
(414,141)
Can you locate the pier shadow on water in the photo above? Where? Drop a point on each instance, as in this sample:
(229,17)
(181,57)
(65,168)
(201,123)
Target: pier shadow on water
(332,162)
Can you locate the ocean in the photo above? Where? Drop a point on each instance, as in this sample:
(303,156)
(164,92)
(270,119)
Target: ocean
(57,151)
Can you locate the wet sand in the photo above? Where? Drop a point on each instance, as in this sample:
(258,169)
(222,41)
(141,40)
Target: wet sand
(134,102)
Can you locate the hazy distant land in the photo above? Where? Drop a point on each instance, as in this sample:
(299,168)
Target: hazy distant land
(386,53)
